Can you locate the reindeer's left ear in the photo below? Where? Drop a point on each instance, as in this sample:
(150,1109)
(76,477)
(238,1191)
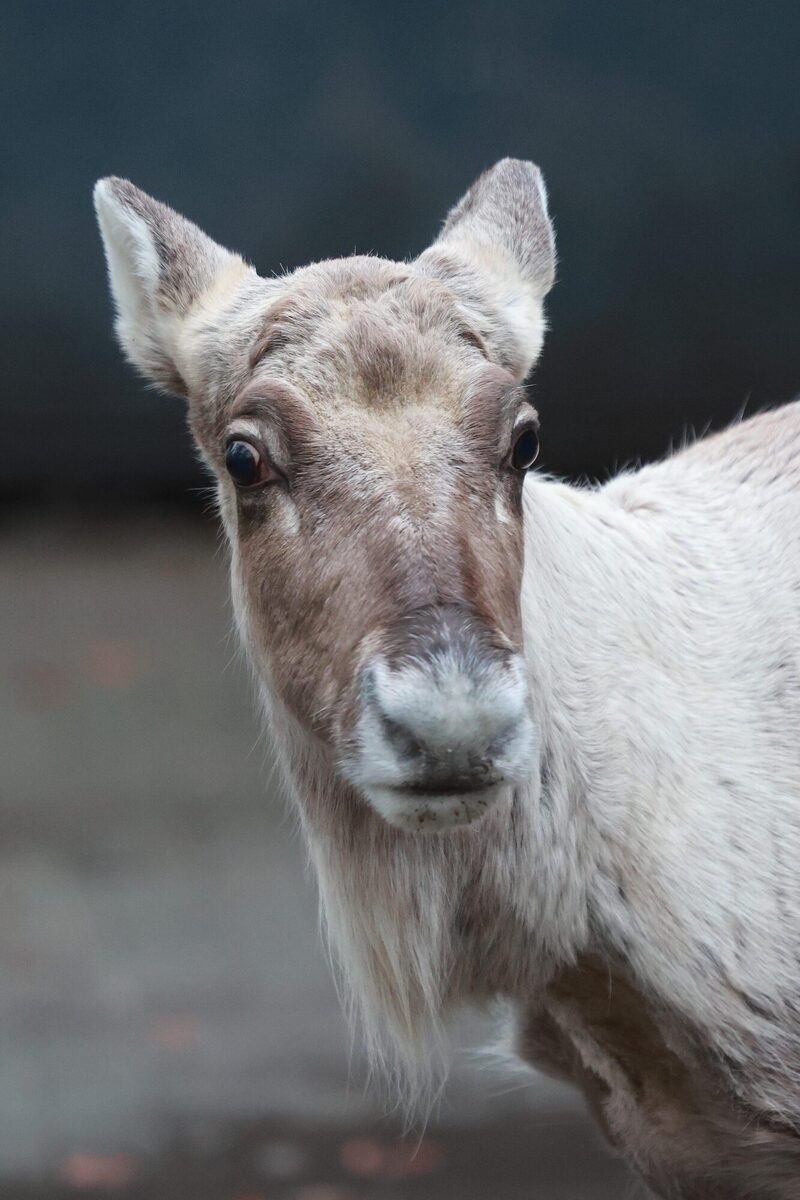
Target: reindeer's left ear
(159,265)
(497,252)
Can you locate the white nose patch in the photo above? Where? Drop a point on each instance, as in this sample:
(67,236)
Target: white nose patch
(447,710)
(439,741)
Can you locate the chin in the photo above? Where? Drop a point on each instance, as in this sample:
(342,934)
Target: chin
(421,811)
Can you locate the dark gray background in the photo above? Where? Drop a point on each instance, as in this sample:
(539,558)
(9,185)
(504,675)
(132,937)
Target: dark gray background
(669,135)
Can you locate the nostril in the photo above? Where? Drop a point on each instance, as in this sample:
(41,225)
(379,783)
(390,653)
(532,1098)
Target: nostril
(403,740)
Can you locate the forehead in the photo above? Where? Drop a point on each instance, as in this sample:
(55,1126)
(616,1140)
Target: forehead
(367,332)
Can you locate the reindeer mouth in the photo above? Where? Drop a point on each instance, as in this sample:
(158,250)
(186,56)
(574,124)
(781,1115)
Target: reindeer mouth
(430,808)
(447,790)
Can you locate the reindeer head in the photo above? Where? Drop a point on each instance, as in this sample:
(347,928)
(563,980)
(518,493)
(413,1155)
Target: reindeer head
(366,426)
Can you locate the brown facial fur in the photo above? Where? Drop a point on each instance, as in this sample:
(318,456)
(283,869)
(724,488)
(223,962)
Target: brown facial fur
(396,434)
(385,395)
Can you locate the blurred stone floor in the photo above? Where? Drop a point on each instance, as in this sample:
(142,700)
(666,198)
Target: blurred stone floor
(168,1029)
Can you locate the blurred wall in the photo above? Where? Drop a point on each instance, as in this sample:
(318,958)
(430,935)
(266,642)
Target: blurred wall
(669,134)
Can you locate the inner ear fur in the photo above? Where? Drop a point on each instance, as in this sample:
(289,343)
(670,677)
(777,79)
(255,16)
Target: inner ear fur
(159,266)
(497,252)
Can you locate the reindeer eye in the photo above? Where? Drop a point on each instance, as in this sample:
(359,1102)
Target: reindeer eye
(245,465)
(526,450)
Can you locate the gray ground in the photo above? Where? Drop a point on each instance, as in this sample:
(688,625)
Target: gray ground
(168,1030)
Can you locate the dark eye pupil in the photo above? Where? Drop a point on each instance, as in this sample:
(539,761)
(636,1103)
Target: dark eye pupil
(243,464)
(525,451)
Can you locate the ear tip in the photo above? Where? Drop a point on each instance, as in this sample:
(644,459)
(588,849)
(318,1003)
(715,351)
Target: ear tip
(520,169)
(509,161)
(101,190)
(520,173)
(516,165)
(112,189)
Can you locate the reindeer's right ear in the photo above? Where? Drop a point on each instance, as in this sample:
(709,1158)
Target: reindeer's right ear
(497,253)
(159,265)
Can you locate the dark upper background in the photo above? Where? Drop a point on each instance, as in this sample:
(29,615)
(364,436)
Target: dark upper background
(669,135)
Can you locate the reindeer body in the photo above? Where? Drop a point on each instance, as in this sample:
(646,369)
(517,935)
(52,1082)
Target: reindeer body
(542,740)
(662,623)
(649,944)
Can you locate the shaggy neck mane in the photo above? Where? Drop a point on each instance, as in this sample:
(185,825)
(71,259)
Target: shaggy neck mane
(419,922)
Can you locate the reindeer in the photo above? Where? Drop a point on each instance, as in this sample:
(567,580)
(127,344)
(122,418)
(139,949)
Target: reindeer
(542,739)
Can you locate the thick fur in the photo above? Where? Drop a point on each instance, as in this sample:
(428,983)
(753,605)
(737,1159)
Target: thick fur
(636,898)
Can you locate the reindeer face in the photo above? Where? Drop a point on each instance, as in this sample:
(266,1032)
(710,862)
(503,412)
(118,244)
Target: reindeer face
(369,436)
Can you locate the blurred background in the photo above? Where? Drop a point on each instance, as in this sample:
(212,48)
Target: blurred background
(167,1026)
